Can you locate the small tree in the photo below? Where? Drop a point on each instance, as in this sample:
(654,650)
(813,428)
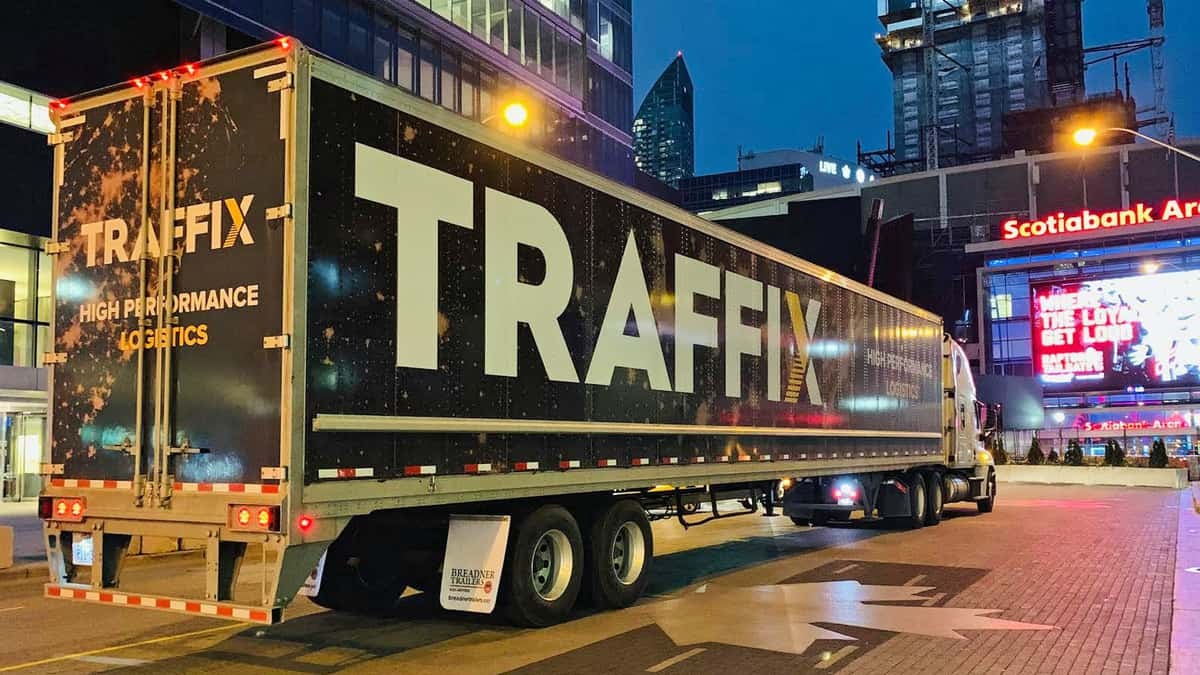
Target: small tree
(1053,457)
(1158,454)
(1114,454)
(1035,456)
(1074,454)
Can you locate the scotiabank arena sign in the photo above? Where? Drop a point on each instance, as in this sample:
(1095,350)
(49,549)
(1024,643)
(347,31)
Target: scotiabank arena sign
(1141,331)
(1087,221)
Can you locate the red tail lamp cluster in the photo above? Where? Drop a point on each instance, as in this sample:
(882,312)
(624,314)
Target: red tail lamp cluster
(69,509)
(254,517)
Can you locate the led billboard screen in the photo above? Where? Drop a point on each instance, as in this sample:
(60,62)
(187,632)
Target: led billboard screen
(1140,331)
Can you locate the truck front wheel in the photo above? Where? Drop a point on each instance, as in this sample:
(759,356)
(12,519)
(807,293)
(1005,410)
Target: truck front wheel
(545,567)
(988,503)
(620,549)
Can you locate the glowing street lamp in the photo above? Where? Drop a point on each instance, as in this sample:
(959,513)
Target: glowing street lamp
(1087,135)
(514,114)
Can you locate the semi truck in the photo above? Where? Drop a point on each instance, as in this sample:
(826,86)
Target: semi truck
(350,343)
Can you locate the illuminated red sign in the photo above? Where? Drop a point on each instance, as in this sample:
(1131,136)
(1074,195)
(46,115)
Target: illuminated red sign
(1107,334)
(1087,221)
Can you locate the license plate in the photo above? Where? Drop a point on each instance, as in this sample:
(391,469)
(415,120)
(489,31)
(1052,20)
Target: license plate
(81,550)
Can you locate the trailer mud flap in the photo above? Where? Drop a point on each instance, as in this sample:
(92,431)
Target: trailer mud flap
(475,548)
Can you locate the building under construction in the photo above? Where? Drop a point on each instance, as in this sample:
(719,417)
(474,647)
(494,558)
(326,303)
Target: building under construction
(975,80)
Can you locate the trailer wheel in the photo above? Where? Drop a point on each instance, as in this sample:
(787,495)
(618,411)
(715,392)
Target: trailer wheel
(918,503)
(801,522)
(986,505)
(620,549)
(545,567)
(935,497)
(820,518)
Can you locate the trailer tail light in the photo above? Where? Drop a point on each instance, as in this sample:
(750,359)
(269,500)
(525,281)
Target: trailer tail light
(305,523)
(284,43)
(254,518)
(69,509)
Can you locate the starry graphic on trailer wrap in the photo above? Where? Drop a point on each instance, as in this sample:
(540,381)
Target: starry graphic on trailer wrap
(225,388)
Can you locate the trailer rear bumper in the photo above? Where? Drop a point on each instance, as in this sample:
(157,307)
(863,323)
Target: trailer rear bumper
(216,610)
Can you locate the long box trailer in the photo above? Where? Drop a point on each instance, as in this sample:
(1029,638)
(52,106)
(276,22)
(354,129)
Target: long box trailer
(300,310)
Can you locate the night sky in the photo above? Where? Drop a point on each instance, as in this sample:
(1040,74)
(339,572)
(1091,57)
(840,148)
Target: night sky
(780,73)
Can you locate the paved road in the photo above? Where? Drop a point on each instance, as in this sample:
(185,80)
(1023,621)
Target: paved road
(1079,580)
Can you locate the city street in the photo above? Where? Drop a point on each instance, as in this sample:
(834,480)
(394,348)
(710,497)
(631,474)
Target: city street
(1057,579)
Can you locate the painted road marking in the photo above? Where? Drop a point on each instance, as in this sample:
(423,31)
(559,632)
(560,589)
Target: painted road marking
(847,568)
(834,657)
(933,599)
(113,661)
(11,609)
(663,665)
(913,581)
(166,638)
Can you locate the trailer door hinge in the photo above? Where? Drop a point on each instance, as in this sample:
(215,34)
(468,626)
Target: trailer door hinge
(51,469)
(281,83)
(49,358)
(56,139)
(56,247)
(281,211)
(277,341)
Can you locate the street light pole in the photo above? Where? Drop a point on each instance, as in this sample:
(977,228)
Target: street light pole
(1086,136)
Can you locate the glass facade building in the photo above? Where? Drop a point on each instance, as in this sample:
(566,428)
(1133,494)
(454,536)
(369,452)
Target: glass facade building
(568,61)
(663,129)
(982,58)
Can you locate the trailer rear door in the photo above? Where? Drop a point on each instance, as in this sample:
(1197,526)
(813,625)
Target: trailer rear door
(168,357)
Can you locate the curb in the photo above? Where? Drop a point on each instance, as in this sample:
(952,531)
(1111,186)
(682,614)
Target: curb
(30,570)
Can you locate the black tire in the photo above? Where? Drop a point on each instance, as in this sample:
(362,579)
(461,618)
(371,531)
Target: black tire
(620,549)
(820,518)
(935,497)
(918,503)
(361,573)
(801,522)
(986,505)
(548,533)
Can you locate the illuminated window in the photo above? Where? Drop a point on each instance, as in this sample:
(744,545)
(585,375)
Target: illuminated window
(720,193)
(1001,304)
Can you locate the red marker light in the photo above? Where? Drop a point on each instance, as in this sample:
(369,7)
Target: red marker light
(243,516)
(264,518)
(284,42)
(164,75)
(305,523)
(139,82)
(190,68)
(61,104)
(61,508)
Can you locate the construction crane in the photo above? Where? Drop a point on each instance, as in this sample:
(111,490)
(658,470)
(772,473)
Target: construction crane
(1159,118)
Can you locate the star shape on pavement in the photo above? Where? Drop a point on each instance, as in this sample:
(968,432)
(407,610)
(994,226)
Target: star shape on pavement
(781,617)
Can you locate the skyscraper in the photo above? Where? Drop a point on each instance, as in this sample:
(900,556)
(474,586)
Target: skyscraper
(663,137)
(958,66)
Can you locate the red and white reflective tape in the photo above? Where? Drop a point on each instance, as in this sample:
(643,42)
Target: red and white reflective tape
(569,464)
(670,460)
(698,460)
(745,458)
(92,483)
(640,461)
(525,466)
(784,458)
(606,463)
(477,468)
(820,455)
(158,602)
(239,488)
(723,458)
(347,472)
(420,470)
(803,455)
(764,458)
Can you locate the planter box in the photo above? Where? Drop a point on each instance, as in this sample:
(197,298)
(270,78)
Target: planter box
(1092,475)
